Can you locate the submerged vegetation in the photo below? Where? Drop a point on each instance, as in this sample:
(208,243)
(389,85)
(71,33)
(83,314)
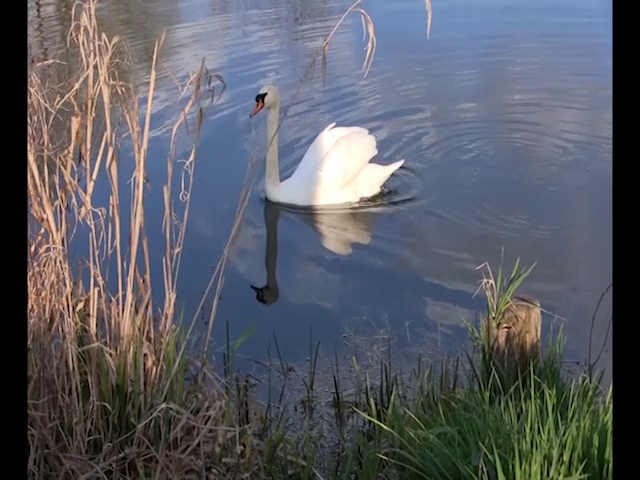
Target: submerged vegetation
(116,391)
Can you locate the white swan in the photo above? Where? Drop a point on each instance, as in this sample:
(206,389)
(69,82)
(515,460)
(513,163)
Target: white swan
(334,170)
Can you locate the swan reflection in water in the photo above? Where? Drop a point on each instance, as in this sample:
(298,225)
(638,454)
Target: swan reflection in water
(336,229)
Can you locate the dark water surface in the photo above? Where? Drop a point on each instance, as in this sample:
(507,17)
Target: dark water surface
(504,118)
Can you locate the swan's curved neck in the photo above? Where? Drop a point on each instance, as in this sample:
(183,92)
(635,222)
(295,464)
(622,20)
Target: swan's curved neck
(272,174)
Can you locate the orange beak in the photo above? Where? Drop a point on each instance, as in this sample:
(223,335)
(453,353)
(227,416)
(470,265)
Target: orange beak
(257,108)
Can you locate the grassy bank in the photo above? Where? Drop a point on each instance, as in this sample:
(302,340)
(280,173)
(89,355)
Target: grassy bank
(547,429)
(114,389)
(460,425)
(460,417)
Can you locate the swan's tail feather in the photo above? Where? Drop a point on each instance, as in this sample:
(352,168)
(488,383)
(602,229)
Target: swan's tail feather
(373,176)
(395,166)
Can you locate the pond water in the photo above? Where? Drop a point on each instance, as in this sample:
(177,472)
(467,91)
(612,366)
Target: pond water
(503,117)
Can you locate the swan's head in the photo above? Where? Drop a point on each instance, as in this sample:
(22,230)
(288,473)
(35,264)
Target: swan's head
(267,97)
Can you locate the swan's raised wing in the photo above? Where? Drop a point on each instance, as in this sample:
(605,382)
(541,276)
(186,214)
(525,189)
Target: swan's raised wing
(335,157)
(350,153)
(310,163)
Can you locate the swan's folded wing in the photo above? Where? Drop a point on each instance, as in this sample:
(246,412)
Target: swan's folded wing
(314,159)
(346,158)
(313,156)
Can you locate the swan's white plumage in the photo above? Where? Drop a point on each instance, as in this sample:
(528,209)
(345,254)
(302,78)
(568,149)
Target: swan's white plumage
(335,169)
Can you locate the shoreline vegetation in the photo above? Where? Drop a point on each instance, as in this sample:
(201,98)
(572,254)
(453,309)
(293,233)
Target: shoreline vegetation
(114,389)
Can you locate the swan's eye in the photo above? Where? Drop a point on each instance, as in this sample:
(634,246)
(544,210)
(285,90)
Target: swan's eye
(260,97)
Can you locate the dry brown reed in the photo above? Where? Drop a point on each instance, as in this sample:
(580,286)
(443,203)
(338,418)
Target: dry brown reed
(369,34)
(107,389)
